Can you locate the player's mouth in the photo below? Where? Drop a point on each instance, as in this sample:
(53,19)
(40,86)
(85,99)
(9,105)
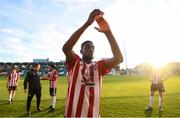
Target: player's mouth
(91,53)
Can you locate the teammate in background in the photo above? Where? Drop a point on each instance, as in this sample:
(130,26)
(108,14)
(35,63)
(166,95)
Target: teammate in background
(12,84)
(34,87)
(156,77)
(52,77)
(85,75)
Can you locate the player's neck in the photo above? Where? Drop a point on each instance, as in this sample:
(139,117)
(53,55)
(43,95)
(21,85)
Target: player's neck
(87,61)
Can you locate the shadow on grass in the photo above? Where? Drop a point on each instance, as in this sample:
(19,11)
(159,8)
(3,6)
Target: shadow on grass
(4,102)
(124,97)
(137,96)
(127,106)
(160,114)
(147,113)
(18,108)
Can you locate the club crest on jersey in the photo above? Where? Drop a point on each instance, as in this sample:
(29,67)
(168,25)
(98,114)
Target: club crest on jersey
(88,83)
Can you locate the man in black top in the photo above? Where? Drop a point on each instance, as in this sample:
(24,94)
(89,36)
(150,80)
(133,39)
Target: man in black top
(34,87)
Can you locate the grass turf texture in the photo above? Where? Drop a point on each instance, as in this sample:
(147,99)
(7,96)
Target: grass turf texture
(122,96)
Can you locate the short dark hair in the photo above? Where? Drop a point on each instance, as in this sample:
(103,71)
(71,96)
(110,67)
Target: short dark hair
(85,43)
(52,66)
(36,64)
(15,68)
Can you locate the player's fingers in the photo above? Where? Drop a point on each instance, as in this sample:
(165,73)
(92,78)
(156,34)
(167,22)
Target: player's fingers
(96,12)
(97,29)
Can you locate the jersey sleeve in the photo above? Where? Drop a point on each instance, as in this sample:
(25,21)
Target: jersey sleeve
(102,69)
(70,64)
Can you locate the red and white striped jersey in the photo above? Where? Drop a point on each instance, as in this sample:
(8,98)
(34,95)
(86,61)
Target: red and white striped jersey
(53,76)
(13,79)
(84,87)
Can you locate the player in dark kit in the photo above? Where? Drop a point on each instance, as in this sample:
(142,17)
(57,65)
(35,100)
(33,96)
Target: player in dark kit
(34,87)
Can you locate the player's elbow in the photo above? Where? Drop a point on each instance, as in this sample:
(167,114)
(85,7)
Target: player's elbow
(64,48)
(119,59)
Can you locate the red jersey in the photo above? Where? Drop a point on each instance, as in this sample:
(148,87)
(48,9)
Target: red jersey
(53,76)
(13,79)
(84,87)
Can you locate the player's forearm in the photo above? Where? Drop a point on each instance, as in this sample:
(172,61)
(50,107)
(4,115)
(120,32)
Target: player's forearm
(165,78)
(44,78)
(74,38)
(7,84)
(7,81)
(25,83)
(17,82)
(117,56)
(25,86)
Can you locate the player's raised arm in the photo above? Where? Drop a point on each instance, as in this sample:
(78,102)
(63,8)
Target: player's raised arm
(68,46)
(148,75)
(104,28)
(165,76)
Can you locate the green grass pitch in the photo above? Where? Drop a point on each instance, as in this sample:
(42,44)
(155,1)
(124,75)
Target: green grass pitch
(122,96)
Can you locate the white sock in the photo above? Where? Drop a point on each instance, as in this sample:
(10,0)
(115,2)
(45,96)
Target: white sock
(53,101)
(160,101)
(151,101)
(10,96)
(13,95)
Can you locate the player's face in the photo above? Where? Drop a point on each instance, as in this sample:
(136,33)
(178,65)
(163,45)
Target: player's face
(87,51)
(37,67)
(50,68)
(14,70)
